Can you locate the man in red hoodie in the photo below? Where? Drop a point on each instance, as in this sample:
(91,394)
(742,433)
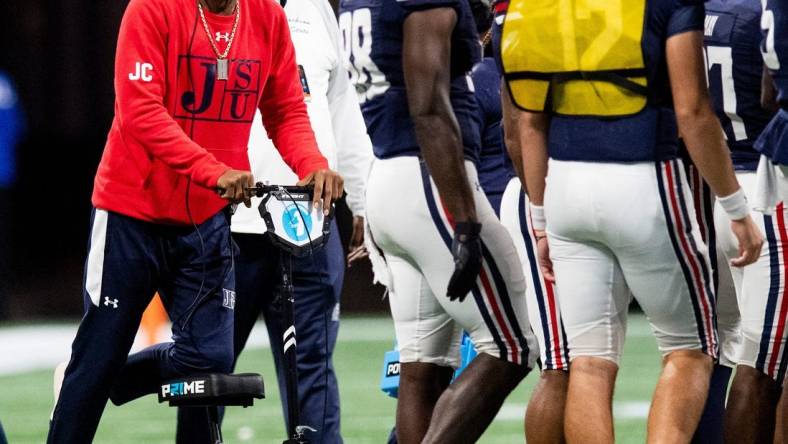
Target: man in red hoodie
(189,75)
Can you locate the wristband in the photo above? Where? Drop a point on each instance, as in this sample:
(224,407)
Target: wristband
(735,205)
(537,217)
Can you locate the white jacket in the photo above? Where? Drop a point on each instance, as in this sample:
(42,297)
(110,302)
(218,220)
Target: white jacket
(333,109)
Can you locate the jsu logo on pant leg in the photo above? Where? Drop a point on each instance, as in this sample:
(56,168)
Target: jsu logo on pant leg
(112,302)
(228,301)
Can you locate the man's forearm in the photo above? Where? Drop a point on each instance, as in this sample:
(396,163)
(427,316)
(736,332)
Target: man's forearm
(533,140)
(426,56)
(441,147)
(698,125)
(706,145)
(511,131)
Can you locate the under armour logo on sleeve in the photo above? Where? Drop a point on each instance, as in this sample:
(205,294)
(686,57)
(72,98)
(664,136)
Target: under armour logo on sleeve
(108,302)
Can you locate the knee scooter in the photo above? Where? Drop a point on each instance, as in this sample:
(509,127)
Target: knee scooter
(297,228)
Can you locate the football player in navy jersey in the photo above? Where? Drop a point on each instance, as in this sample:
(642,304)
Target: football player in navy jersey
(735,67)
(773,143)
(617,217)
(437,245)
(544,417)
(772,189)
(495,167)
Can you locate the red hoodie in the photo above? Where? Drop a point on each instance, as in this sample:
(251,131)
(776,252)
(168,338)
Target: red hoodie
(175,122)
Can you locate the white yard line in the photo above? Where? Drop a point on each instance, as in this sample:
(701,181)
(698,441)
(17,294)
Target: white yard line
(39,347)
(622,410)
(34,347)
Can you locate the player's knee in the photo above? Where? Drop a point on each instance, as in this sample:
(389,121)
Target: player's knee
(689,362)
(596,355)
(424,377)
(598,368)
(697,356)
(313,353)
(220,360)
(423,354)
(213,360)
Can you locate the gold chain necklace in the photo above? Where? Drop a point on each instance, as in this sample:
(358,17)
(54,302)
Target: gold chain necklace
(221,59)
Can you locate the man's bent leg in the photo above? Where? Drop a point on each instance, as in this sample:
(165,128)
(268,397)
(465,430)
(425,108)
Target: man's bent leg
(203,332)
(120,275)
(255,275)
(680,396)
(198,291)
(420,387)
(202,320)
(589,401)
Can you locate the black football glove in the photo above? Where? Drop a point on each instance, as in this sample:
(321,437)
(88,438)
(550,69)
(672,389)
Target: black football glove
(467,251)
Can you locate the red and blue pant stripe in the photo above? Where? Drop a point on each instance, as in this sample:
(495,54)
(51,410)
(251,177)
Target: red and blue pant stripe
(554,335)
(695,267)
(772,356)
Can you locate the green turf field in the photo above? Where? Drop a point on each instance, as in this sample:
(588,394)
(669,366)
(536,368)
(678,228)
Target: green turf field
(367,414)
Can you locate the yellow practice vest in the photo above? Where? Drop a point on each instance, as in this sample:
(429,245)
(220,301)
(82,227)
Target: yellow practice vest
(576,57)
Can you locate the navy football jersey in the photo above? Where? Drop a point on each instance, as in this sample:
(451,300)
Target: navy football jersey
(652,134)
(499,14)
(372,37)
(774,139)
(495,168)
(732,41)
(775,45)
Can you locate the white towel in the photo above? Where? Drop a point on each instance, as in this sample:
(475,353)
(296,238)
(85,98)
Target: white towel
(380,268)
(767,187)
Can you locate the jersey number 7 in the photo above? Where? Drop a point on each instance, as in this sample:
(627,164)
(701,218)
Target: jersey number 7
(721,55)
